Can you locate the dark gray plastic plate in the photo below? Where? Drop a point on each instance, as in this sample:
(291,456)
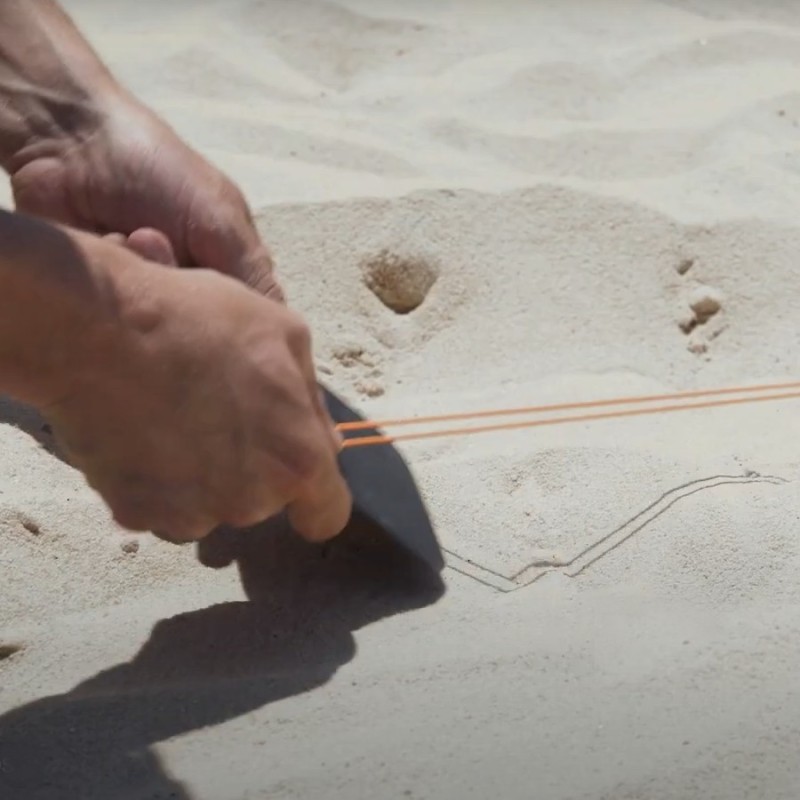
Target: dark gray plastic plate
(384,490)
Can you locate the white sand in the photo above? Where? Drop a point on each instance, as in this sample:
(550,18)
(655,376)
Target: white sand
(556,166)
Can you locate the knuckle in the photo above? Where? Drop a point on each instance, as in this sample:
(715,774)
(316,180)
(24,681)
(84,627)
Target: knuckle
(298,333)
(139,506)
(284,391)
(292,470)
(130,514)
(322,518)
(265,283)
(273,290)
(183,532)
(168,536)
(131,498)
(310,529)
(241,519)
(246,516)
(180,525)
(257,270)
(194,513)
(234,201)
(302,463)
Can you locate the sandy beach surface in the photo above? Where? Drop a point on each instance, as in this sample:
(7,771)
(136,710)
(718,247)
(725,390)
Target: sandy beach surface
(554,186)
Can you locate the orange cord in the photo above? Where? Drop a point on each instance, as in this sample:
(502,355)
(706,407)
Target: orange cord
(385,423)
(365,441)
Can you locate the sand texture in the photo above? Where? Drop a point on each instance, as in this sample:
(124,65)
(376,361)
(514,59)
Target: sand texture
(476,205)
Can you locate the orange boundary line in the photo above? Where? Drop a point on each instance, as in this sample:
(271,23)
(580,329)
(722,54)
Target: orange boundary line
(365,441)
(385,423)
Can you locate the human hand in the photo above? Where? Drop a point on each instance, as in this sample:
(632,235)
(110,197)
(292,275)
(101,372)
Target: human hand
(123,171)
(197,405)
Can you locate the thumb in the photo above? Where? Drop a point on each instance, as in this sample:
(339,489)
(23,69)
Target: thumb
(148,243)
(152,245)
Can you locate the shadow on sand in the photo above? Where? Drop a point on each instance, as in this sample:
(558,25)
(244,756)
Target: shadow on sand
(31,422)
(208,666)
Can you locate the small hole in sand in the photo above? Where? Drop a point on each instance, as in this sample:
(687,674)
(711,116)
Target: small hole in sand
(130,545)
(9,649)
(684,266)
(31,526)
(370,388)
(400,283)
(705,302)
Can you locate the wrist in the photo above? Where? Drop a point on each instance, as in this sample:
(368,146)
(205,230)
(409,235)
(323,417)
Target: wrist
(53,86)
(51,124)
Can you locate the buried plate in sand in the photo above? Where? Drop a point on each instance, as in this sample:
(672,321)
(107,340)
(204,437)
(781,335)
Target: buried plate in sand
(385,492)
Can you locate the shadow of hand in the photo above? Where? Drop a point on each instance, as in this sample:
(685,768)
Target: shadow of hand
(207,666)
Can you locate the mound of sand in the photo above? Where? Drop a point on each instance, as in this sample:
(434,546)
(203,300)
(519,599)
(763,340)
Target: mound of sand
(476,205)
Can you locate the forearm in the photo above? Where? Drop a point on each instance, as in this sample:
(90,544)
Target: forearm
(51,81)
(53,300)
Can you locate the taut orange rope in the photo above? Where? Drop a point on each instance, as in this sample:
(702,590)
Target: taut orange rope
(365,441)
(384,423)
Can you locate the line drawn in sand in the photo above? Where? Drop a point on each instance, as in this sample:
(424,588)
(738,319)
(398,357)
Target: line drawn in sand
(606,544)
